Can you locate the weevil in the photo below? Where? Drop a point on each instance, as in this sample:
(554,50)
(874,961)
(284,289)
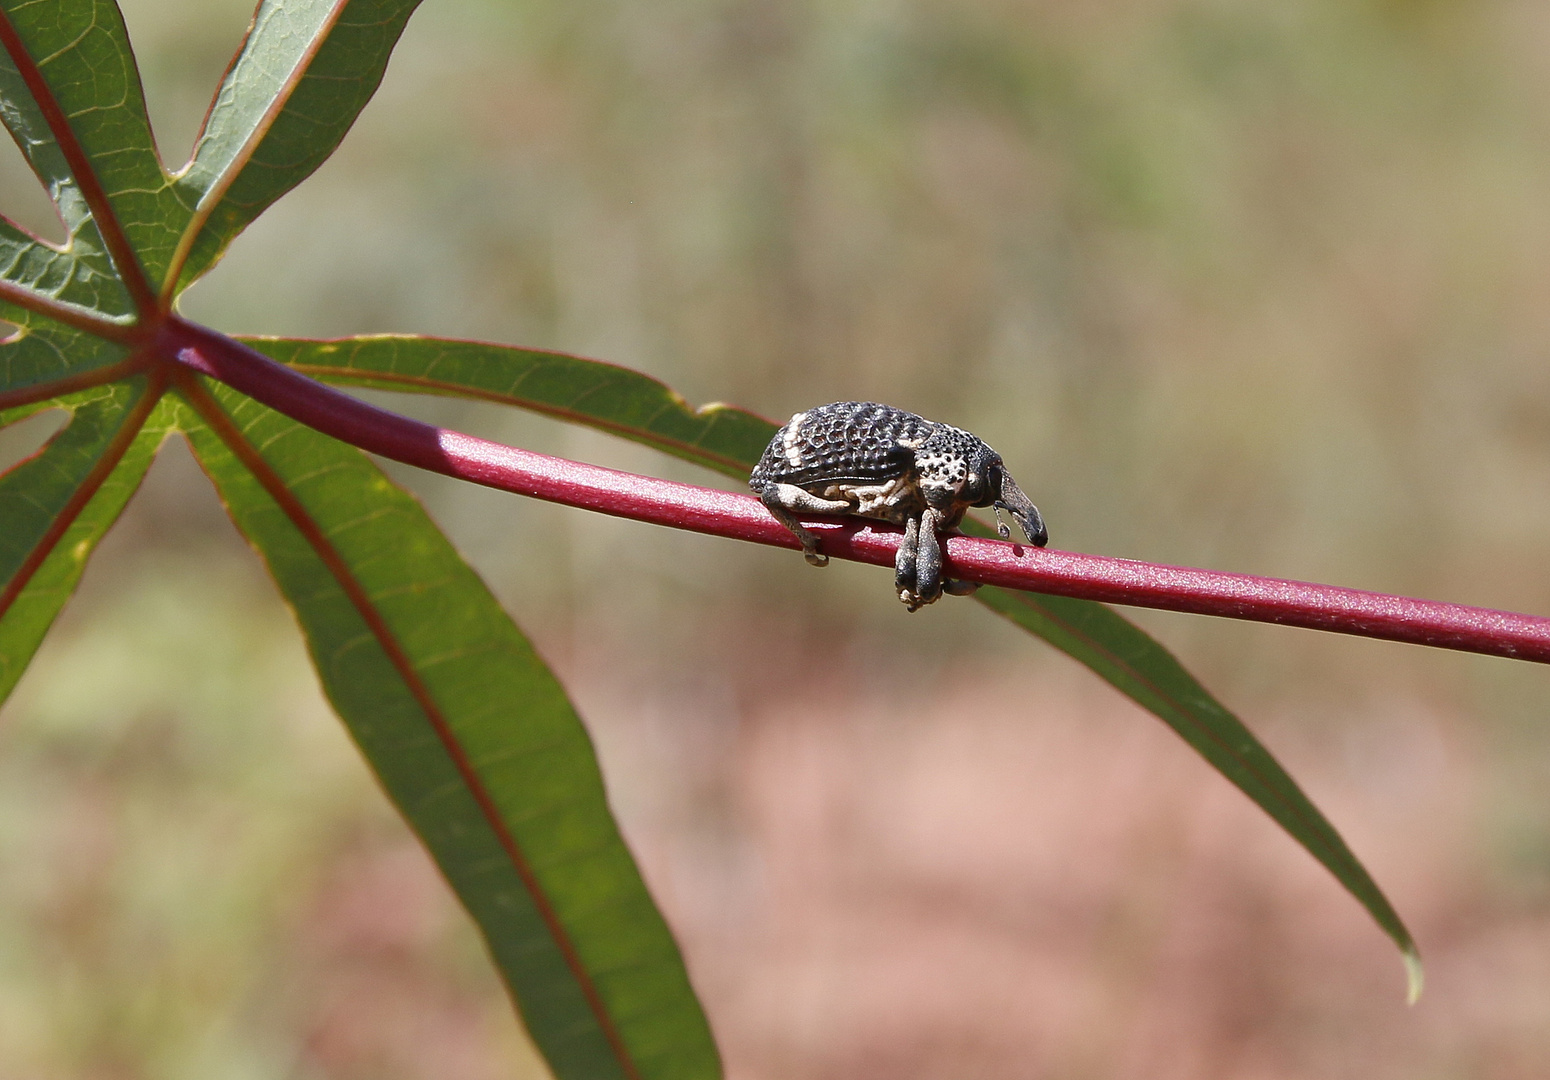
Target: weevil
(863,459)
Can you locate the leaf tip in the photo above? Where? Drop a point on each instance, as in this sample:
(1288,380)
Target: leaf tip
(1415,975)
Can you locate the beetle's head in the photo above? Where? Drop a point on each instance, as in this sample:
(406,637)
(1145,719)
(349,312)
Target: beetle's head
(989,485)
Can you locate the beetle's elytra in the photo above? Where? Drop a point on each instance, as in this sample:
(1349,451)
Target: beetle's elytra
(869,460)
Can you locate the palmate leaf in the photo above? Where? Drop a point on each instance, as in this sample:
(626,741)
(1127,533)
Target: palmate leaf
(465,726)
(730,440)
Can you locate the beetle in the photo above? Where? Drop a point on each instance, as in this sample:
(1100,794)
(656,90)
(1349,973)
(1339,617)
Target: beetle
(865,459)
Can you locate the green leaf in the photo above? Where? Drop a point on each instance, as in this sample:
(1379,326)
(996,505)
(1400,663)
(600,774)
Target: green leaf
(604,396)
(629,404)
(306,70)
(81,275)
(469,731)
(56,505)
(473,739)
(41,351)
(82,52)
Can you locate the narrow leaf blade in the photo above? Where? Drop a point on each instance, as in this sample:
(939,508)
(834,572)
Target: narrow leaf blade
(59,274)
(42,351)
(40,565)
(82,53)
(73,276)
(600,395)
(305,72)
(475,741)
(1137,666)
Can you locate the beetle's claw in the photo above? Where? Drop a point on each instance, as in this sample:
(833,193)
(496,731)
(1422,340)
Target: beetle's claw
(810,550)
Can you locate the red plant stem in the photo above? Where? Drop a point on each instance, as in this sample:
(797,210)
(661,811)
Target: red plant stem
(741,517)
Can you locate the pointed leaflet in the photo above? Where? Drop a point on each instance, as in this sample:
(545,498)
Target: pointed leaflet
(42,351)
(729,440)
(1141,669)
(82,273)
(305,72)
(615,399)
(472,737)
(80,52)
(56,506)
(75,276)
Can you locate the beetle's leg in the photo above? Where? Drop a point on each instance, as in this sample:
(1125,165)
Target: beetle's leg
(904,561)
(928,562)
(781,499)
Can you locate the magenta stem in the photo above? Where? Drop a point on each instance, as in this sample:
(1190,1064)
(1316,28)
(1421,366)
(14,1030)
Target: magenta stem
(742,517)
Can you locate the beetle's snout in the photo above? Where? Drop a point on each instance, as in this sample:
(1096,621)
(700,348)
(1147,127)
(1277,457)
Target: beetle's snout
(1014,502)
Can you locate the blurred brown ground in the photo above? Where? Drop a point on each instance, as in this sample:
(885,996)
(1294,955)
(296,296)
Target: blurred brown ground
(1249,286)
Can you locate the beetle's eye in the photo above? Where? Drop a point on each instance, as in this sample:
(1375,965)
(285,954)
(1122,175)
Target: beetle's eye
(974,489)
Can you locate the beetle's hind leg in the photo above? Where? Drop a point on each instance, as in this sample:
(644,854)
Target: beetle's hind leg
(781,500)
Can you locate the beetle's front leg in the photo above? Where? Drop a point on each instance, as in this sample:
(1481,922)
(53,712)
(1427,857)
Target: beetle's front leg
(781,499)
(928,562)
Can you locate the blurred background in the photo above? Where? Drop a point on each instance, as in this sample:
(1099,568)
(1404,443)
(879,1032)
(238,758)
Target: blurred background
(1257,287)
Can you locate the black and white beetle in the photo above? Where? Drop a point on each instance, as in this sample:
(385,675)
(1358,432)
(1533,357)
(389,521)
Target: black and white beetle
(863,459)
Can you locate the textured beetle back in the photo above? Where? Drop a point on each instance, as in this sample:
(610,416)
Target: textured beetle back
(844,442)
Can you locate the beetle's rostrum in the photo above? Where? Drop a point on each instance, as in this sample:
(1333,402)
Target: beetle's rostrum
(864,459)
